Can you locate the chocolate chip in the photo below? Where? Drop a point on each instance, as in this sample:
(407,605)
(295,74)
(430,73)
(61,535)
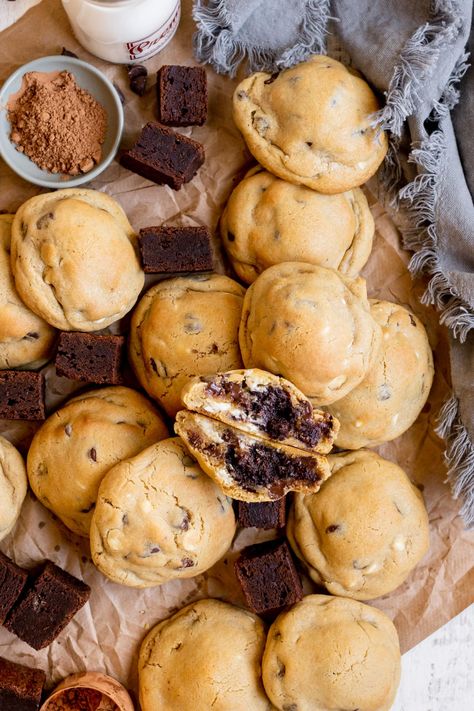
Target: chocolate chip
(184,525)
(137,75)
(153,365)
(68,430)
(230,237)
(31,336)
(125,519)
(290,707)
(93,454)
(241,95)
(332,528)
(67,53)
(44,220)
(412,321)
(186,563)
(41,524)
(23,229)
(89,508)
(271,79)
(276,235)
(120,93)
(309,143)
(281,668)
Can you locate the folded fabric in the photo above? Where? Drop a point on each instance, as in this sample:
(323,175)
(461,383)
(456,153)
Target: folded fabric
(415,53)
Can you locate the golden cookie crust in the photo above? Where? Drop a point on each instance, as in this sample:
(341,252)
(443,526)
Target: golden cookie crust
(310,125)
(206,656)
(310,325)
(214,444)
(72,451)
(268,221)
(366,529)
(392,395)
(26,340)
(182,328)
(330,653)
(74,258)
(159,517)
(13,485)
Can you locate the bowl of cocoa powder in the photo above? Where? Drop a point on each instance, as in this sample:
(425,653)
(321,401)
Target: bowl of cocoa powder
(61,122)
(89,691)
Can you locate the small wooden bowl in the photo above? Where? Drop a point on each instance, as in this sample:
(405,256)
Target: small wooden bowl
(102,683)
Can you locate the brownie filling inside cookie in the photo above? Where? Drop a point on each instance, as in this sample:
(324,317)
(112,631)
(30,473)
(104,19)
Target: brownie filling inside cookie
(272,407)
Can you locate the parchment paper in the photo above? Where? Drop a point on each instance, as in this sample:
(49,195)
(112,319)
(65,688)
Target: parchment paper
(105,635)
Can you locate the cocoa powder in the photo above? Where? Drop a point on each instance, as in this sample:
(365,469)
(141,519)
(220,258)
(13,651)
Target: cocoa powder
(58,125)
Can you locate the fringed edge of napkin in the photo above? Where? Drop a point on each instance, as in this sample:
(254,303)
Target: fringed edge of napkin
(418,200)
(215,44)
(459,455)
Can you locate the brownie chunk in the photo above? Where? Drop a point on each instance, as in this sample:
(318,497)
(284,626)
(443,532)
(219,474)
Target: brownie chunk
(91,358)
(268,577)
(137,77)
(21,395)
(182,95)
(175,249)
(164,156)
(50,601)
(265,515)
(12,582)
(20,687)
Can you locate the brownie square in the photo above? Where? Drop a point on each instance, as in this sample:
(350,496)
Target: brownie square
(265,515)
(268,577)
(50,601)
(12,581)
(175,249)
(20,687)
(91,358)
(182,95)
(21,395)
(164,156)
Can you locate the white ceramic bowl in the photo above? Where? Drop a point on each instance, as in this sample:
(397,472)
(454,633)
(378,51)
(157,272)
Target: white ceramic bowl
(87,77)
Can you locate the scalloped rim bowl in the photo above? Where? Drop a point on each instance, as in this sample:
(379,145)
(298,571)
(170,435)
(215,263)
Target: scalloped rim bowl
(88,78)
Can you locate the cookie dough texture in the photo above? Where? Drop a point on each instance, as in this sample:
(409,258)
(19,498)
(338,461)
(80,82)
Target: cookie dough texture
(365,530)
(392,395)
(310,125)
(80,442)
(13,485)
(185,327)
(207,656)
(159,517)
(74,259)
(263,405)
(330,653)
(26,340)
(249,468)
(268,221)
(312,326)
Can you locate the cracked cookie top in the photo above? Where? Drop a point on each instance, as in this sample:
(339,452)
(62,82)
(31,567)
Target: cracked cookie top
(74,259)
(365,530)
(268,221)
(182,328)
(206,656)
(26,340)
(331,653)
(80,442)
(159,517)
(311,124)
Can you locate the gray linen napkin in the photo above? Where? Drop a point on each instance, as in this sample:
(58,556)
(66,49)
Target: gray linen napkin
(413,52)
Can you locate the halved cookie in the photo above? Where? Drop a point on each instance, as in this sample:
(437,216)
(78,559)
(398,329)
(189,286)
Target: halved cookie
(249,468)
(264,405)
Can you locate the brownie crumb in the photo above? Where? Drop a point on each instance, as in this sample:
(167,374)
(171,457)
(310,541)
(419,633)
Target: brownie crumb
(90,358)
(21,395)
(137,77)
(265,515)
(268,577)
(182,95)
(20,687)
(175,249)
(49,602)
(12,581)
(164,156)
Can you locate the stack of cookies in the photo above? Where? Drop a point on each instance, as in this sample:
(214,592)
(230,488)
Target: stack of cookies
(261,376)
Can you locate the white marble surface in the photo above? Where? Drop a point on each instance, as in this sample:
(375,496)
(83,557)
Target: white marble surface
(438,674)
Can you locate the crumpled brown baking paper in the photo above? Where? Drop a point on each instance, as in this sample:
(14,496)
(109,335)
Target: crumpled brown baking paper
(106,634)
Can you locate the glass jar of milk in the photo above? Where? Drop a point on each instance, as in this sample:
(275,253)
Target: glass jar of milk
(123,31)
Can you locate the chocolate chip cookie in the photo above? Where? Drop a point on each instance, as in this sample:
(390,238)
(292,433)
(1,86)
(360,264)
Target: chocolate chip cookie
(13,484)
